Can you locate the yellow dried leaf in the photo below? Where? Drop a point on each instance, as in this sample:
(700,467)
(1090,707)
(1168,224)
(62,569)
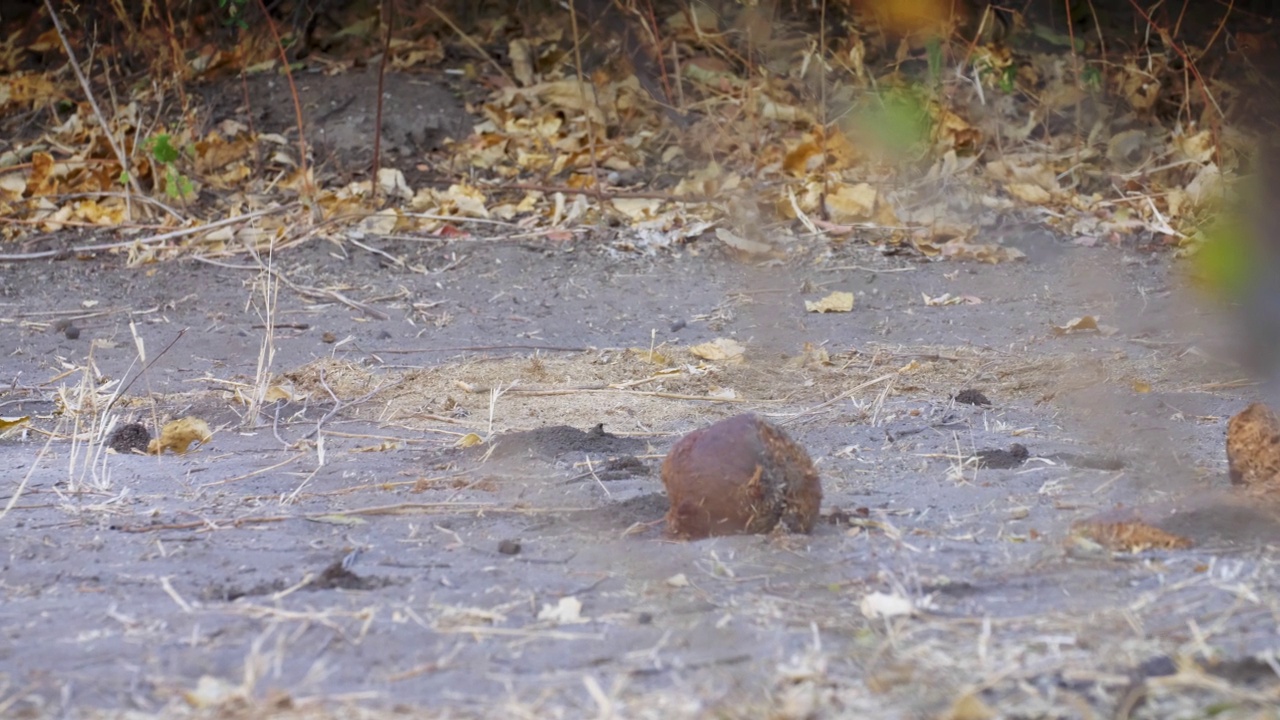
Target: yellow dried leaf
(214,152)
(1199,147)
(278,392)
(1080,324)
(710,181)
(1029,193)
(469,440)
(852,202)
(1140,86)
(520,53)
(651,356)
(637,209)
(29,89)
(12,186)
(382,222)
(8,423)
(835,302)
(719,349)
(391,182)
(804,157)
(178,436)
(466,200)
(1088,323)
(42,180)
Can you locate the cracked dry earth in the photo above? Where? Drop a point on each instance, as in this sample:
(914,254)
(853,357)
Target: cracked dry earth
(344,550)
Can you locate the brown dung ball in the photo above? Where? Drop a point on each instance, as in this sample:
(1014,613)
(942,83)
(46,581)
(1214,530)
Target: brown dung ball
(131,438)
(740,475)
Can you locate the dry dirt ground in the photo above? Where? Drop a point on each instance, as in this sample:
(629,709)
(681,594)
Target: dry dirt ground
(341,550)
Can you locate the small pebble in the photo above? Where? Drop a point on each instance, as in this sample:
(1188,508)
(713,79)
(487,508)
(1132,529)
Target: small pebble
(509,547)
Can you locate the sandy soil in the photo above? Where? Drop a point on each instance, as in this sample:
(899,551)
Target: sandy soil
(341,549)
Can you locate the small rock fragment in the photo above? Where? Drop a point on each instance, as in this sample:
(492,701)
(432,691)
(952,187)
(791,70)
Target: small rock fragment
(1253,447)
(740,475)
(509,547)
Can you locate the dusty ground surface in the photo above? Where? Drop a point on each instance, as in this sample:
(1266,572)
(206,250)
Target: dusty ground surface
(339,549)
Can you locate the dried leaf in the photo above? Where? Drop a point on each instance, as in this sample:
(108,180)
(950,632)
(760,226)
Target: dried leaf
(568,611)
(719,349)
(650,356)
(949,299)
(741,244)
(469,440)
(1028,193)
(884,605)
(835,302)
(852,202)
(637,209)
(1087,323)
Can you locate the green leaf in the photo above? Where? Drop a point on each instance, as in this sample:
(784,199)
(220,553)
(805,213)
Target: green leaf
(162,149)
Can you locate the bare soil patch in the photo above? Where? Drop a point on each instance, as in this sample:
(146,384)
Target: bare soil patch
(345,550)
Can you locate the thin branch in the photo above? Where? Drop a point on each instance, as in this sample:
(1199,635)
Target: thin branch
(93,102)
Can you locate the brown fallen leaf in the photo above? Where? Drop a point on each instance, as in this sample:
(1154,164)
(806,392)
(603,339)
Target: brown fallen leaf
(1087,323)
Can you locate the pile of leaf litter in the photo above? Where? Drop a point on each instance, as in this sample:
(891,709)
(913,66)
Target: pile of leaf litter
(922,126)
